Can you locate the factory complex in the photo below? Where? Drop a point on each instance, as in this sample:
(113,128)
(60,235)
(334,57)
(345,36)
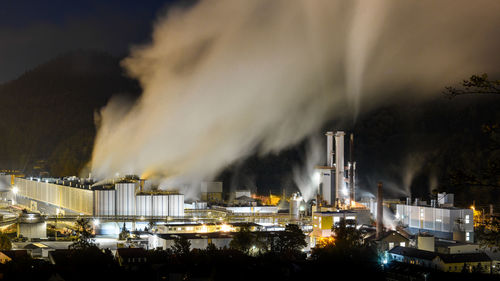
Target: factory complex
(132,203)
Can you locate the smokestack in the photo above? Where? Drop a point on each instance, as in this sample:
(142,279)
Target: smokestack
(351,169)
(141,185)
(380,211)
(339,166)
(329,149)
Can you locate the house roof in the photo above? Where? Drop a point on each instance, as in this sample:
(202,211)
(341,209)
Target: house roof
(463,258)
(446,258)
(58,255)
(412,252)
(33,246)
(15,253)
(4,257)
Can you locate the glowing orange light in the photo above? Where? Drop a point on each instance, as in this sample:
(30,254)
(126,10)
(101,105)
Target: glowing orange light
(322,242)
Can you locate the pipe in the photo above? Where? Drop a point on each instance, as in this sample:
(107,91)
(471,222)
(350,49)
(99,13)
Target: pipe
(380,211)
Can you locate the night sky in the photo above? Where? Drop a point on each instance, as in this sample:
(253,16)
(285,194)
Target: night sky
(32,32)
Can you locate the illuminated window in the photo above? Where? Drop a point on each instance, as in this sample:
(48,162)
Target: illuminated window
(391,245)
(467,219)
(467,236)
(336,220)
(402,244)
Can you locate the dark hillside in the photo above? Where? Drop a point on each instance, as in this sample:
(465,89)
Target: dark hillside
(47,113)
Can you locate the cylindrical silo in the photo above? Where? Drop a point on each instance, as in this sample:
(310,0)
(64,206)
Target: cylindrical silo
(176,205)
(143,205)
(295,201)
(160,205)
(125,199)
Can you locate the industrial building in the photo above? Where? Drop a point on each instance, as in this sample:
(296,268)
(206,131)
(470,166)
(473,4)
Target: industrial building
(441,220)
(337,181)
(119,198)
(211,191)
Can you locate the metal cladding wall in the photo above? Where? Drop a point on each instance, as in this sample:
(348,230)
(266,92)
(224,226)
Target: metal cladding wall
(143,205)
(125,199)
(76,199)
(160,205)
(435,219)
(176,205)
(104,204)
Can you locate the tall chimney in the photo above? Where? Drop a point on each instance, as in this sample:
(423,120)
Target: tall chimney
(351,170)
(380,211)
(329,149)
(339,166)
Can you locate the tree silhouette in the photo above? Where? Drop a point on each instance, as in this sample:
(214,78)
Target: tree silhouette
(84,235)
(476,84)
(182,246)
(291,239)
(243,240)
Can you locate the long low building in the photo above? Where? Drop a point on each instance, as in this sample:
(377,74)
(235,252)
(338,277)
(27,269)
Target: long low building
(122,198)
(443,222)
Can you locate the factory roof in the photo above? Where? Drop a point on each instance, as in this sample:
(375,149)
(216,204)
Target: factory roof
(437,207)
(332,213)
(448,243)
(385,234)
(211,235)
(324,168)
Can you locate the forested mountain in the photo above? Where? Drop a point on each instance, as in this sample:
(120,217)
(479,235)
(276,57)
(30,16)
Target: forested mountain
(47,114)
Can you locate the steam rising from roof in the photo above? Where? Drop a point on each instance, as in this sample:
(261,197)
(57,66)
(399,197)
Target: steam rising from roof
(224,79)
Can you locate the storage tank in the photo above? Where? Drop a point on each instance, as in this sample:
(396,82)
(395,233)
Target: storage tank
(104,203)
(176,205)
(143,205)
(160,205)
(295,201)
(125,199)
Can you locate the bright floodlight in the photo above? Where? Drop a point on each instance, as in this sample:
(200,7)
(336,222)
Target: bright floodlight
(96,222)
(15,190)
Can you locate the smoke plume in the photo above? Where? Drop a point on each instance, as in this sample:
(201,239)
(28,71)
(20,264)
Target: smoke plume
(305,177)
(224,79)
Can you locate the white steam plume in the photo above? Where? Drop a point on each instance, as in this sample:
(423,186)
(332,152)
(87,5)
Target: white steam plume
(306,177)
(224,79)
